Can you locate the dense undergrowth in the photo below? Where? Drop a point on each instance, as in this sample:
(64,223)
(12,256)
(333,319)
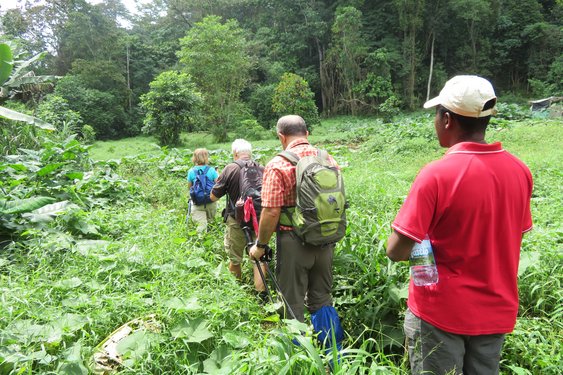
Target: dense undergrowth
(90,245)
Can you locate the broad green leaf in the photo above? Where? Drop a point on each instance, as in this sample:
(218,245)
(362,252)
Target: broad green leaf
(27,330)
(18,167)
(196,262)
(183,305)
(219,362)
(528,259)
(17,116)
(32,80)
(70,323)
(72,368)
(77,301)
(72,354)
(75,282)
(21,67)
(48,212)
(193,331)
(179,240)
(75,175)
(236,339)
(10,356)
(6,62)
(85,227)
(519,370)
(87,247)
(48,169)
(25,205)
(397,294)
(42,357)
(52,209)
(137,344)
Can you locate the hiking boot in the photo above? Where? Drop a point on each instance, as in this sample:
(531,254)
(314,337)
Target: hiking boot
(263,297)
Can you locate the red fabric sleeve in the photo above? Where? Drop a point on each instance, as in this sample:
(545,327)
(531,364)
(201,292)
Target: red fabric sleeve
(415,216)
(527,223)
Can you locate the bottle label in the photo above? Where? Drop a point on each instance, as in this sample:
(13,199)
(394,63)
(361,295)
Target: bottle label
(422,254)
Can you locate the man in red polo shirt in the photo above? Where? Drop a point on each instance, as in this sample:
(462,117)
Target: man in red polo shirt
(304,271)
(474,204)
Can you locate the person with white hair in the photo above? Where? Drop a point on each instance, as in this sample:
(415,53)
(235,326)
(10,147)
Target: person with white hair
(228,184)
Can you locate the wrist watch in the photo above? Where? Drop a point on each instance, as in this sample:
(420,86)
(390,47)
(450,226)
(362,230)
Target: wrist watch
(261,245)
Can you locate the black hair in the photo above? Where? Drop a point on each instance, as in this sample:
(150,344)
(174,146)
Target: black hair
(470,125)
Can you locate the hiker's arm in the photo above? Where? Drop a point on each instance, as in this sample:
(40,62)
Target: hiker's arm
(268,223)
(399,246)
(221,183)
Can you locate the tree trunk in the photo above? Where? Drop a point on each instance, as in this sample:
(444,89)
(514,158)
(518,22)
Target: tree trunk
(129,81)
(431,68)
(412,62)
(321,74)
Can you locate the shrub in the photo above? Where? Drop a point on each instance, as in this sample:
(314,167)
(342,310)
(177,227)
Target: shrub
(88,134)
(511,111)
(390,108)
(251,130)
(260,103)
(293,96)
(172,104)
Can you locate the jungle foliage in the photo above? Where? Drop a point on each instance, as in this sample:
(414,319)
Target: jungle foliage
(359,57)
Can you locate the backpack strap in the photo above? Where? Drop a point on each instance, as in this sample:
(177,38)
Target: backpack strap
(290,156)
(203,171)
(322,154)
(287,211)
(230,204)
(240,163)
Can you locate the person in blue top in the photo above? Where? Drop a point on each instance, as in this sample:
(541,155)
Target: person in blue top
(202,213)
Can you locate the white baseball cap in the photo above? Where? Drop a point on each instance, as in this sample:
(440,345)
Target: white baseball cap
(466,96)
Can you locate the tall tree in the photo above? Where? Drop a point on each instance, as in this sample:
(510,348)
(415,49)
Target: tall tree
(215,55)
(410,16)
(346,55)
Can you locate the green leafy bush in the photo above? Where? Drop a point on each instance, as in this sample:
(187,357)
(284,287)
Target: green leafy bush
(251,131)
(260,103)
(100,109)
(294,97)
(512,111)
(172,105)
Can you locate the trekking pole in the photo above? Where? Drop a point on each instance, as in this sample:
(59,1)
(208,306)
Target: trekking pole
(278,289)
(267,258)
(249,244)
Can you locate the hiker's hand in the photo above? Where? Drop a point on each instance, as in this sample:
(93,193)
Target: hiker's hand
(256,252)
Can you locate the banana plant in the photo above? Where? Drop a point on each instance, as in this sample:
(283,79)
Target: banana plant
(18,80)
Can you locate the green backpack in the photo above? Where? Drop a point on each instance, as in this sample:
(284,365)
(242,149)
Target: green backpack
(319,217)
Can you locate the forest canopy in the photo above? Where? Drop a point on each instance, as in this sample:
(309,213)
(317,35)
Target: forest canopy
(358,57)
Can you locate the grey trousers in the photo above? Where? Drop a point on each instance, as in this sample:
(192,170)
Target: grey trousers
(304,273)
(433,351)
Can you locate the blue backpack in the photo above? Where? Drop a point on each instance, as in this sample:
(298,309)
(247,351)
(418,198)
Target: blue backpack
(201,188)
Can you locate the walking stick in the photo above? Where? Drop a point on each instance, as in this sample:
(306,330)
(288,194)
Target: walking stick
(249,244)
(267,257)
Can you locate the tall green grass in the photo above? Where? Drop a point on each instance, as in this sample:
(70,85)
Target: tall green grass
(62,293)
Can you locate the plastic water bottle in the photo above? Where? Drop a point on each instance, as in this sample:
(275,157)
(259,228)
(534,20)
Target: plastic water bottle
(423,265)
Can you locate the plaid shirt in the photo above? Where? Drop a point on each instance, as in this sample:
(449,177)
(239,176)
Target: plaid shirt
(278,184)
